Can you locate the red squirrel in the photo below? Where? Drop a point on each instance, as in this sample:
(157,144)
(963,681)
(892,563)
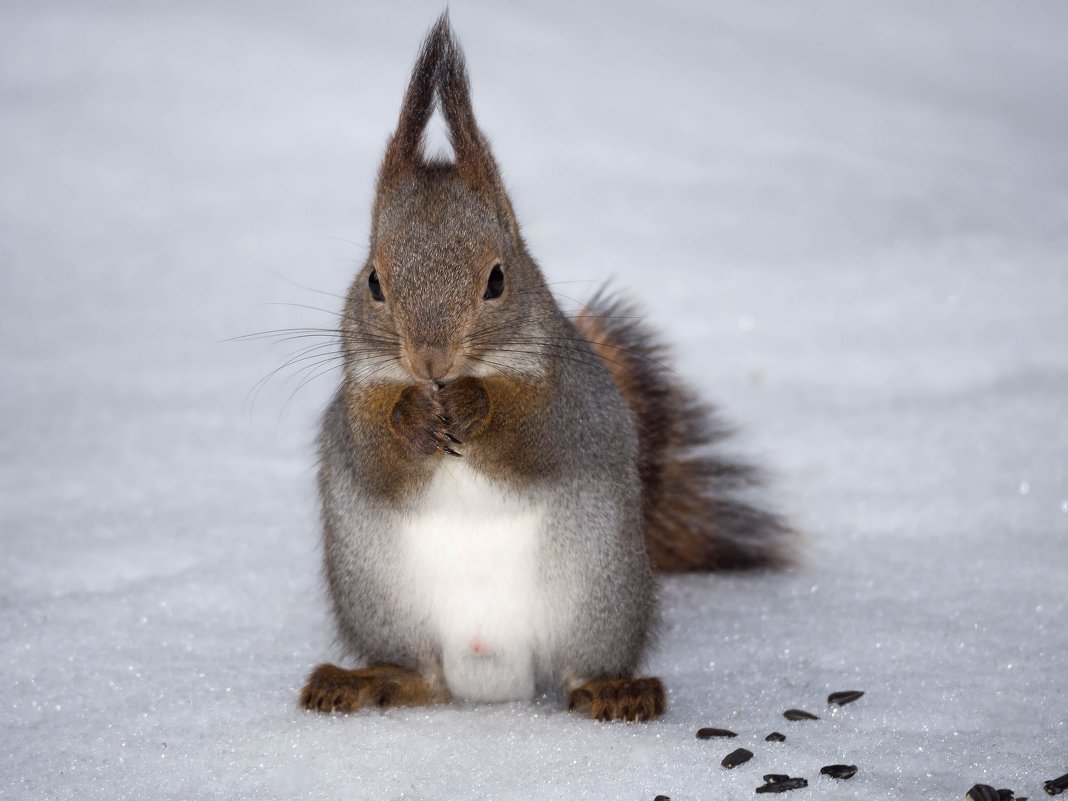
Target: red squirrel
(498,479)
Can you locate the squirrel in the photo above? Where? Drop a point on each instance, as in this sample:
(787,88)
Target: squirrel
(499,480)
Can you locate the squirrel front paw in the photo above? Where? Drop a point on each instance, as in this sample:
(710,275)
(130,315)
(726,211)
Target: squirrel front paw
(464,406)
(418,420)
(430,419)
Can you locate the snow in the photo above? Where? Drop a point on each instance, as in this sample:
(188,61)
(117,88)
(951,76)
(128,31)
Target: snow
(851,219)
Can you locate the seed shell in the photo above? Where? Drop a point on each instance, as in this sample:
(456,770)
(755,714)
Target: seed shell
(737,757)
(775,737)
(783,786)
(839,771)
(844,697)
(982,792)
(799,714)
(708,734)
(1005,794)
(1056,786)
(772,778)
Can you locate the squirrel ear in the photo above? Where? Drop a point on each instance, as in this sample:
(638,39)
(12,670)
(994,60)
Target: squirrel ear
(405,149)
(474,158)
(440,73)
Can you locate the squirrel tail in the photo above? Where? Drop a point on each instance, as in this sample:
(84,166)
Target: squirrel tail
(695,514)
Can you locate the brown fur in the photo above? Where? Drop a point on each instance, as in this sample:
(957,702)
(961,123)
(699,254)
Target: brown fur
(619,699)
(423,420)
(395,475)
(503,452)
(333,689)
(693,518)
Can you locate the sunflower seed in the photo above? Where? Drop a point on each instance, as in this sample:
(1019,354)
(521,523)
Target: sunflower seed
(775,737)
(799,714)
(737,757)
(708,734)
(839,771)
(982,792)
(783,785)
(1006,795)
(662,798)
(772,778)
(844,697)
(1056,786)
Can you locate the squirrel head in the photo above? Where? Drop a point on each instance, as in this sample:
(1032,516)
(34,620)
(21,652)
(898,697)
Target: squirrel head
(448,288)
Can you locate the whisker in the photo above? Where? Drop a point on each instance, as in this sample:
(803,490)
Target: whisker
(291,334)
(345,241)
(592,360)
(369,371)
(303,384)
(302,286)
(317,354)
(549,342)
(276,331)
(549,317)
(342,315)
(507,369)
(258,387)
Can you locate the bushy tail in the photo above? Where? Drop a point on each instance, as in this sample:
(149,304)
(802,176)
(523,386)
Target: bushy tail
(694,513)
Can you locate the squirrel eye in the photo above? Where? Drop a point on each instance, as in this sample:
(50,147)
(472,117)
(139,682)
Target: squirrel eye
(375,287)
(495,284)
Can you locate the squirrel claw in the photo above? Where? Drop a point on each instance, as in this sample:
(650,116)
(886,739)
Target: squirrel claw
(450,451)
(452,439)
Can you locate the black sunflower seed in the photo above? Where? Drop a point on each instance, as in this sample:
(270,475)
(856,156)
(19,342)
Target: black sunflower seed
(662,798)
(839,771)
(783,785)
(737,757)
(1005,794)
(982,792)
(1056,786)
(775,737)
(844,697)
(772,778)
(799,714)
(708,734)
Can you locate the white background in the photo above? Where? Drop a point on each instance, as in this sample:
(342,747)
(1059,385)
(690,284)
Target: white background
(852,221)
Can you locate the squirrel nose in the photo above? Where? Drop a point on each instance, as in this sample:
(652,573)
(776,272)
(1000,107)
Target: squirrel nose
(432,362)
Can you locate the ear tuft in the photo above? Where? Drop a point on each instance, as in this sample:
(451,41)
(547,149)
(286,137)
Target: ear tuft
(474,160)
(440,73)
(405,149)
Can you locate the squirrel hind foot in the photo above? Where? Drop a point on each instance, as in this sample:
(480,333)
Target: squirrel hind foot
(626,699)
(330,688)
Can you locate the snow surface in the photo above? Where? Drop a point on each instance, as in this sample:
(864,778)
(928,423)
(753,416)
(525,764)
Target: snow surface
(851,218)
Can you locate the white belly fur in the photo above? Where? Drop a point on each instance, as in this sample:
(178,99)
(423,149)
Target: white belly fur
(471,558)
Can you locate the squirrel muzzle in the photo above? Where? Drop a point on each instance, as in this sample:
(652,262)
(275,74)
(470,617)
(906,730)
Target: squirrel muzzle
(431,361)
